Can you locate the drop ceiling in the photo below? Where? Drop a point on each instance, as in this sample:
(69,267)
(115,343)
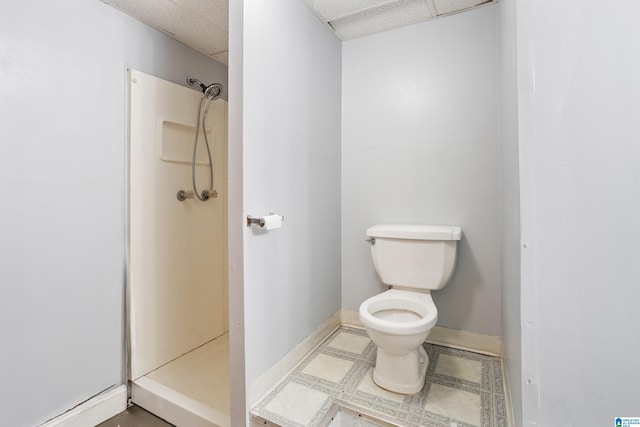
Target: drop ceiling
(351,19)
(204,24)
(200,24)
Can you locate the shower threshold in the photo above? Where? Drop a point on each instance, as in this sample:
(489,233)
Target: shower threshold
(192,390)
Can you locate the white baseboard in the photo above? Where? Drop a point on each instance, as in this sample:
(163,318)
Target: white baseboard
(456,338)
(269,379)
(93,411)
(466,340)
(350,318)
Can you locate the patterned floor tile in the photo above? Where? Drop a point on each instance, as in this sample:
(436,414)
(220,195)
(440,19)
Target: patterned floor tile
(328,368)
(374,392)
(353,343)
(463,369)
(462,388)
(297,403)
(459,405)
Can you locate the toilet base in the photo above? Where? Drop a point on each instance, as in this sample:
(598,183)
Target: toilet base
(401,374)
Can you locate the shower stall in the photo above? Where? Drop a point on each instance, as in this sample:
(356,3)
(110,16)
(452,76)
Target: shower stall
(177,261)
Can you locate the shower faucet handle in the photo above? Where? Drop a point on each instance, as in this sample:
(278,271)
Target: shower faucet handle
(206,194)
(184,195)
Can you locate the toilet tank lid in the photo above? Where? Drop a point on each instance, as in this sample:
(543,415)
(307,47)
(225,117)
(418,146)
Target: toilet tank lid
(416,232)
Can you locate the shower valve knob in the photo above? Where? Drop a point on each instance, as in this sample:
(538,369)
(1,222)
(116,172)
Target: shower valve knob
(206,194)
(184,195)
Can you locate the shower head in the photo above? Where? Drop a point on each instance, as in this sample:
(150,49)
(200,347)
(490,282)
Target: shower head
(214,91)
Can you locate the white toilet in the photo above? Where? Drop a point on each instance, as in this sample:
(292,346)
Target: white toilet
(413,260)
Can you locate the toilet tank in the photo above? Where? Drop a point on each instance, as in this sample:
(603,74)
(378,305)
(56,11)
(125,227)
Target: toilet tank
(414,256)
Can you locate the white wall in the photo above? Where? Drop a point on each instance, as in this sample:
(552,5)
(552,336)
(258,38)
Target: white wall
(510,199)
(579,104)
(62,144)
(291,163)
(420,145)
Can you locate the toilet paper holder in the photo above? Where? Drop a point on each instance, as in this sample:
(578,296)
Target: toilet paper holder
(258,221)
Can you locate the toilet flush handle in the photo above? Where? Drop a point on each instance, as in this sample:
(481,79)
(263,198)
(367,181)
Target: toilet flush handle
(371,240)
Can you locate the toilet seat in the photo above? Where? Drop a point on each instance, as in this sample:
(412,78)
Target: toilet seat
(401,306)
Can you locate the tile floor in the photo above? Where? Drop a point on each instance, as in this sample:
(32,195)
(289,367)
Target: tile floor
(463,389)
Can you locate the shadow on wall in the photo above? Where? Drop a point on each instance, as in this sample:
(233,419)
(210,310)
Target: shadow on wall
(461,292)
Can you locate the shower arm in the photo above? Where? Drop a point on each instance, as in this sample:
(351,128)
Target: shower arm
(195,82)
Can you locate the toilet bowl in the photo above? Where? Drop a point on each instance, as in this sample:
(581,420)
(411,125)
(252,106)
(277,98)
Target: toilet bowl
(413,260)
(398,322)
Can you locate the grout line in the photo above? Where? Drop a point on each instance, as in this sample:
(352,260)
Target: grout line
(346,390)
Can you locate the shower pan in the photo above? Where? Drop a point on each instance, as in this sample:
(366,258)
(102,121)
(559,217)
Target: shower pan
(177,276)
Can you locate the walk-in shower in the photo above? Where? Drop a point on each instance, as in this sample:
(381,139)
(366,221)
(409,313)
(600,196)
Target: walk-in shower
(177,280)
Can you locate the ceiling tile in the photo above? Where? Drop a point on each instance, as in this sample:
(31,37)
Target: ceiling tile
(383,18)
(449,6)
(203,24)
(222,57)
(197,32)
(180,22)
(215,11)
(331,10)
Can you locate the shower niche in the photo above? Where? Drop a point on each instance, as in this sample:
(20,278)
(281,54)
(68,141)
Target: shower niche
(177,143)
(177,292)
